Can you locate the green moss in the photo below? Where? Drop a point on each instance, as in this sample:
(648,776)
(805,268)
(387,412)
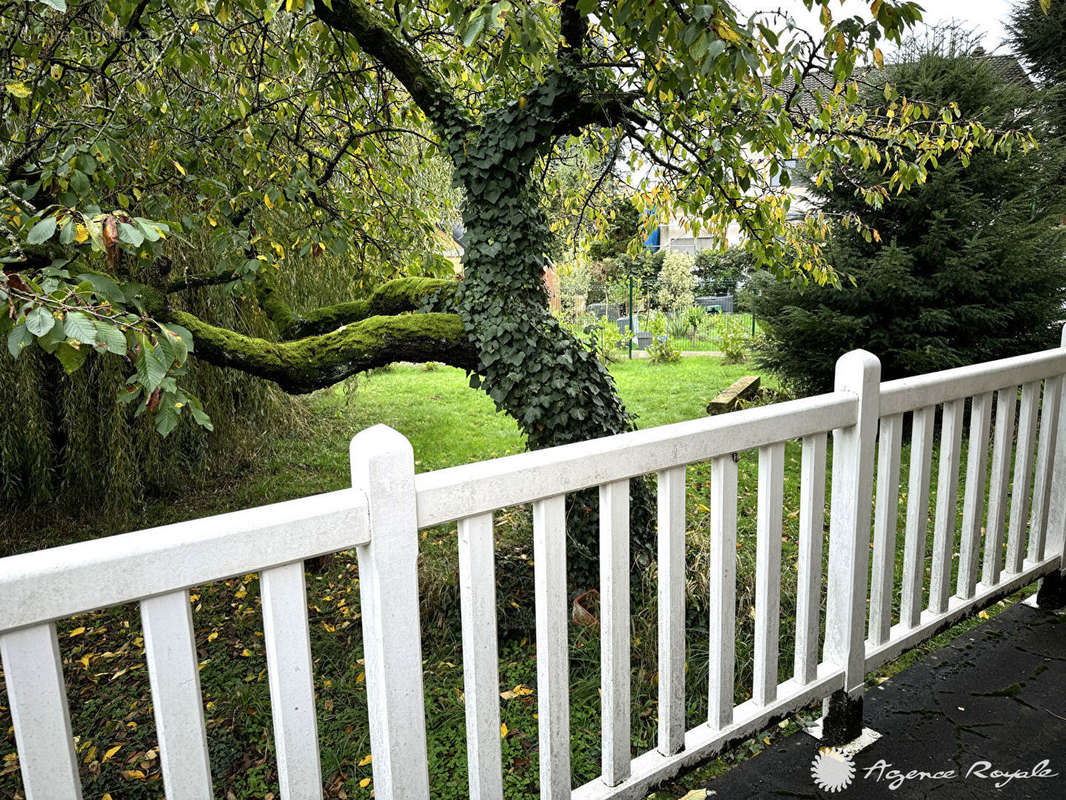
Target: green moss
(315,362)
(391,298)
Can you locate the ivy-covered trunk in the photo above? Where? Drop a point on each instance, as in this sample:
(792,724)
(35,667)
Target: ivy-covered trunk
(532,368)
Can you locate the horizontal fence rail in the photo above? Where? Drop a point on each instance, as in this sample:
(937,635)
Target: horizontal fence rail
(980,452)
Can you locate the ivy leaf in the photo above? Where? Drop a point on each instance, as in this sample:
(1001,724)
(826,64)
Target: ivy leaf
(40,321)
(42,231)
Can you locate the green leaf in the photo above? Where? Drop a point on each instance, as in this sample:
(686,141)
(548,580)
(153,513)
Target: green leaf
(19,338)
(80,328)
(150,231)
(50,341)
(130,235)
(183,334)
(42,231)
(79,182)
(40,321)
(104,287)
(151,367)
(166,419)
(110,337)
(71,357)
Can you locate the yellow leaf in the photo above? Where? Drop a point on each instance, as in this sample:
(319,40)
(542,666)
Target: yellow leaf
(503,730)
(366,760)
(19,89)
(266,199)
(84,661)
(840,44)
(875,7)
(246,652)
(133,774)
(81,233)
(178,167)
(212,636)
(76,632)
(879,57)
(110,753)
(364,783)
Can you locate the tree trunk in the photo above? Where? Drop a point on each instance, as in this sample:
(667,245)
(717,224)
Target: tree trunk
(532,368)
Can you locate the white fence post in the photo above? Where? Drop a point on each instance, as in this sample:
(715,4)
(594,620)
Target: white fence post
(1052,592)
(383,467)
(858,373)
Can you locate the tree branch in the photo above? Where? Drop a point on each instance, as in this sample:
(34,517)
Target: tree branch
(394,297)
(376,36)
(316,362)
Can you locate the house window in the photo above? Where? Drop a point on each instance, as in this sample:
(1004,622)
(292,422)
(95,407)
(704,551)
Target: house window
(789,165)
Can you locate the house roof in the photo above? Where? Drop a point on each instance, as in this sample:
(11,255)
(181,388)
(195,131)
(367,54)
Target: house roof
(1008,67)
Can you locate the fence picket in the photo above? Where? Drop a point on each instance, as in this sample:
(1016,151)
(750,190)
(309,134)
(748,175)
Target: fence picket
(614,630)
(1021,489)
(671,547)
(768,572)
(1045,462)
(999,486)
(553,690)
(973,504)
(723,591)
(290,675)
(917,515)
(886,516)
(851,504)
(37,699)
(174,670)
(383,467)
(947,502)
(481,676)
(809,567)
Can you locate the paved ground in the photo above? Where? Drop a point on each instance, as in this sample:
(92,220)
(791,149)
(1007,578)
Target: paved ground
(993,699)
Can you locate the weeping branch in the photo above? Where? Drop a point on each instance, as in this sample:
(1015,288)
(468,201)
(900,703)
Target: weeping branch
(376,35)
(315,362)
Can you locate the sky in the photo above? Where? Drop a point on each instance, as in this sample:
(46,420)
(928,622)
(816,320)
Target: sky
(986,17)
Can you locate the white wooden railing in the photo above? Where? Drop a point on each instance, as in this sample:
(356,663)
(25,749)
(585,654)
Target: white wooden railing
(381,515)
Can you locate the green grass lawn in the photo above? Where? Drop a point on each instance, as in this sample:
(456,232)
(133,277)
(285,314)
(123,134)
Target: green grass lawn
(447,424)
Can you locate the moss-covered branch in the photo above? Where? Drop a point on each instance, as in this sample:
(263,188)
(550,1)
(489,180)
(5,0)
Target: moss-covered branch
(393,297)
(315,362)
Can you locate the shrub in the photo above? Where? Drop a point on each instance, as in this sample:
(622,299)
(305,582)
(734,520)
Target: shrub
(719,273)
(661,349)
(677,325)
(972,267)
(676,282)
(695,317)
(733,338)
